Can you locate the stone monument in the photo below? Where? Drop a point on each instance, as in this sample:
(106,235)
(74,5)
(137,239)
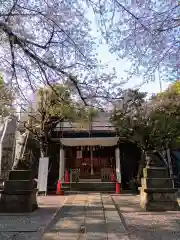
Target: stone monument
(20,149)
(7,143)
(157,192)
(19,192)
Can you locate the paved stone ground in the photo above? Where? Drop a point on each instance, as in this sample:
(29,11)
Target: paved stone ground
(145,225)
(114,224)
(31,225)
(90,217)
(66,224)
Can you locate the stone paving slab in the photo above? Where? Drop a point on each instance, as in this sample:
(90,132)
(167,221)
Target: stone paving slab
(95,222)
(68,226)
(127,202)
(95,213)
(114,224)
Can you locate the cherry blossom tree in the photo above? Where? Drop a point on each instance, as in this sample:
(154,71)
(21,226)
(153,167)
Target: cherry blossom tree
(6,99)
(44,42)
(146,32)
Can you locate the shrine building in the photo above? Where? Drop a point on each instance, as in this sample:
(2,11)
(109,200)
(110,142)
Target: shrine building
(91,154)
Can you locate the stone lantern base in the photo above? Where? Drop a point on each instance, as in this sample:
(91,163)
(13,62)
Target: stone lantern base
(157,192)
(19,193)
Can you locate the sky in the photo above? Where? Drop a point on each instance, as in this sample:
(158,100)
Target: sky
(121,65)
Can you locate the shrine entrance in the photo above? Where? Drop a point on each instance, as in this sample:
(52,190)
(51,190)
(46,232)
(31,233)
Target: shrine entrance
(91,161)
(92,158)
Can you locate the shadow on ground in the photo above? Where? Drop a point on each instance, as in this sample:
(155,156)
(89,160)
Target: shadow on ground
(148,225)
(73,214)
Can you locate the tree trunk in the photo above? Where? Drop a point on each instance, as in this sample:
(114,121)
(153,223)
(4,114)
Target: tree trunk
(42,153)
(142,164)
(169,161)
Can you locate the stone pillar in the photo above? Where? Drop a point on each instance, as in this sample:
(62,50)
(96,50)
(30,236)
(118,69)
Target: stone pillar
(61,165)
(118,164)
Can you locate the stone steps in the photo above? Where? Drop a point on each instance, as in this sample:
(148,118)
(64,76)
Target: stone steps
(90,180)
(90,187)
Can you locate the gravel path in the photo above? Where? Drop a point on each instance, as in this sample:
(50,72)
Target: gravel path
(151,226)
(146,225)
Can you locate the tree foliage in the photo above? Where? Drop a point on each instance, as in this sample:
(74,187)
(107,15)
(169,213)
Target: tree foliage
(155,123)
(128,118)
(52,104)
(166,115)
(145,32)
(54,101)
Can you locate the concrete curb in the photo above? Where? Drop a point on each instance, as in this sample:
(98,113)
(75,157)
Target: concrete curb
(41,230)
